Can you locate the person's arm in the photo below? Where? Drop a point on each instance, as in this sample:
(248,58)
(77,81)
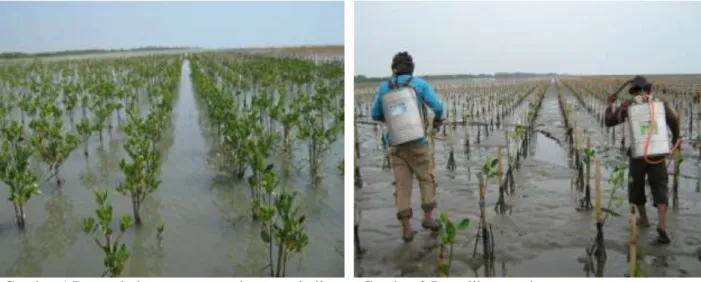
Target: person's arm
(432,100)
(377,110)
(672,122)
(615,117)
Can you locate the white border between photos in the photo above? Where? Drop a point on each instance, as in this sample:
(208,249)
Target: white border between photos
(349,135)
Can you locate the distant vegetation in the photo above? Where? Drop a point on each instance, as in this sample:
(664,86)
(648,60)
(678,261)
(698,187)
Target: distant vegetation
(362,78)
(21,55)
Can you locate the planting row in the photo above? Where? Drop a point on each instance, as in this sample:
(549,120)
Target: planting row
(50,109)
(259,110)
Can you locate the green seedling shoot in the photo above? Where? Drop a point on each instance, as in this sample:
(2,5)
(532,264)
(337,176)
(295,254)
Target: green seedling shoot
(99,227)
(50,141)
(15,171)
(159,233)
(283,226)
(589,154)
(489,168)
(84,129)
(678,160)
(447,236)
(141,169)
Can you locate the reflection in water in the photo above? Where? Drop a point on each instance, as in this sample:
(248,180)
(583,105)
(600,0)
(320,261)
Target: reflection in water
(145,246)
(58,232)
(593,265)
(255,261)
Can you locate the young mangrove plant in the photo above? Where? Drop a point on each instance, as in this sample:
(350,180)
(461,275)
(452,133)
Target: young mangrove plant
(141,169)
(617,180)
(259,149)
(15,170)
(678,160)
(447,236)
(589,154)
(283,225)
(490,169)
(51,141)
(484,231)
(100,227)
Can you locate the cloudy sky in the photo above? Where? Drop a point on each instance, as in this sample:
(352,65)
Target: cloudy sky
(51,26)
(565,37)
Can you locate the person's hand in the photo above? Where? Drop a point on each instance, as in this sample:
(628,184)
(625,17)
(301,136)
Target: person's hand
(623,106)
(437,122)
(675,140)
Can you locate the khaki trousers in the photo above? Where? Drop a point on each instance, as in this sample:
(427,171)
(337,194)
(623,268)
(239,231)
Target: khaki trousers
(408,160)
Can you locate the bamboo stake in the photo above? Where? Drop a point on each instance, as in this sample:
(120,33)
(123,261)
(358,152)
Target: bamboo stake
(508,146)
(632,242)
(598,189)
(499,169)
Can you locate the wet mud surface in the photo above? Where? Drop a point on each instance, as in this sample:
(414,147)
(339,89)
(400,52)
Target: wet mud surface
(208,228)
(543,234)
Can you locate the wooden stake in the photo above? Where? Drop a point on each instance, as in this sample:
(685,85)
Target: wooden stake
(632,243)
(480,176)
(598,189)
(499,169)
(508,146)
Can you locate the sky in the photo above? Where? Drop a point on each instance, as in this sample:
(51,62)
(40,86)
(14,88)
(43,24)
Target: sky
(563,37)
(53,26)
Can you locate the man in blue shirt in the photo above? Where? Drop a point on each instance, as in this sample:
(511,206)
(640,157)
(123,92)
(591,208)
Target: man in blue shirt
(412,158)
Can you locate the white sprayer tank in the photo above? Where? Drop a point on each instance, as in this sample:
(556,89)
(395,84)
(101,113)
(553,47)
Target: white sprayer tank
(402,116)
(640,125)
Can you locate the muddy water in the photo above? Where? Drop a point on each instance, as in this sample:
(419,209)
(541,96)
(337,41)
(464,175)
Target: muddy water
(208,230)
(542,235)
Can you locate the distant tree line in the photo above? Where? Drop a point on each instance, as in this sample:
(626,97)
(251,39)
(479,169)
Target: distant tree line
(20,55)
(362,78)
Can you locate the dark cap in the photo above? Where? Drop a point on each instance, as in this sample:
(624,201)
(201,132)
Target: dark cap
(639,83)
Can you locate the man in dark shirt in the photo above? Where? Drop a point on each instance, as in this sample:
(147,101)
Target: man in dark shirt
(656,168)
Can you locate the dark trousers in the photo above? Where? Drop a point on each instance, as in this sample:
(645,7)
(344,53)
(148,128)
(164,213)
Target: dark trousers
(657,177)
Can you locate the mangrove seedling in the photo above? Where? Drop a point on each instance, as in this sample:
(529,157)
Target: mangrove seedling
(283,226)
(116,253)
(15,171)
(259,149)
(159,233)
(490,170)
(678,159)
(84,129)
(447,236)
(617,180)
(50,140)
(141,169)
(589,154)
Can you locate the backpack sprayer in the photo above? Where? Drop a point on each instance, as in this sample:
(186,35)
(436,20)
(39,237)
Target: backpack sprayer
(648,128)
(404,115)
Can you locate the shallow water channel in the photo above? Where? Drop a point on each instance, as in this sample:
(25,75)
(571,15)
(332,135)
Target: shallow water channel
(543,234)
(208,229)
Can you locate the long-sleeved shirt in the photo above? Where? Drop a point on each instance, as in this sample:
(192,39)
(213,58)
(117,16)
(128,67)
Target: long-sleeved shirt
(425,95)
(618,116)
